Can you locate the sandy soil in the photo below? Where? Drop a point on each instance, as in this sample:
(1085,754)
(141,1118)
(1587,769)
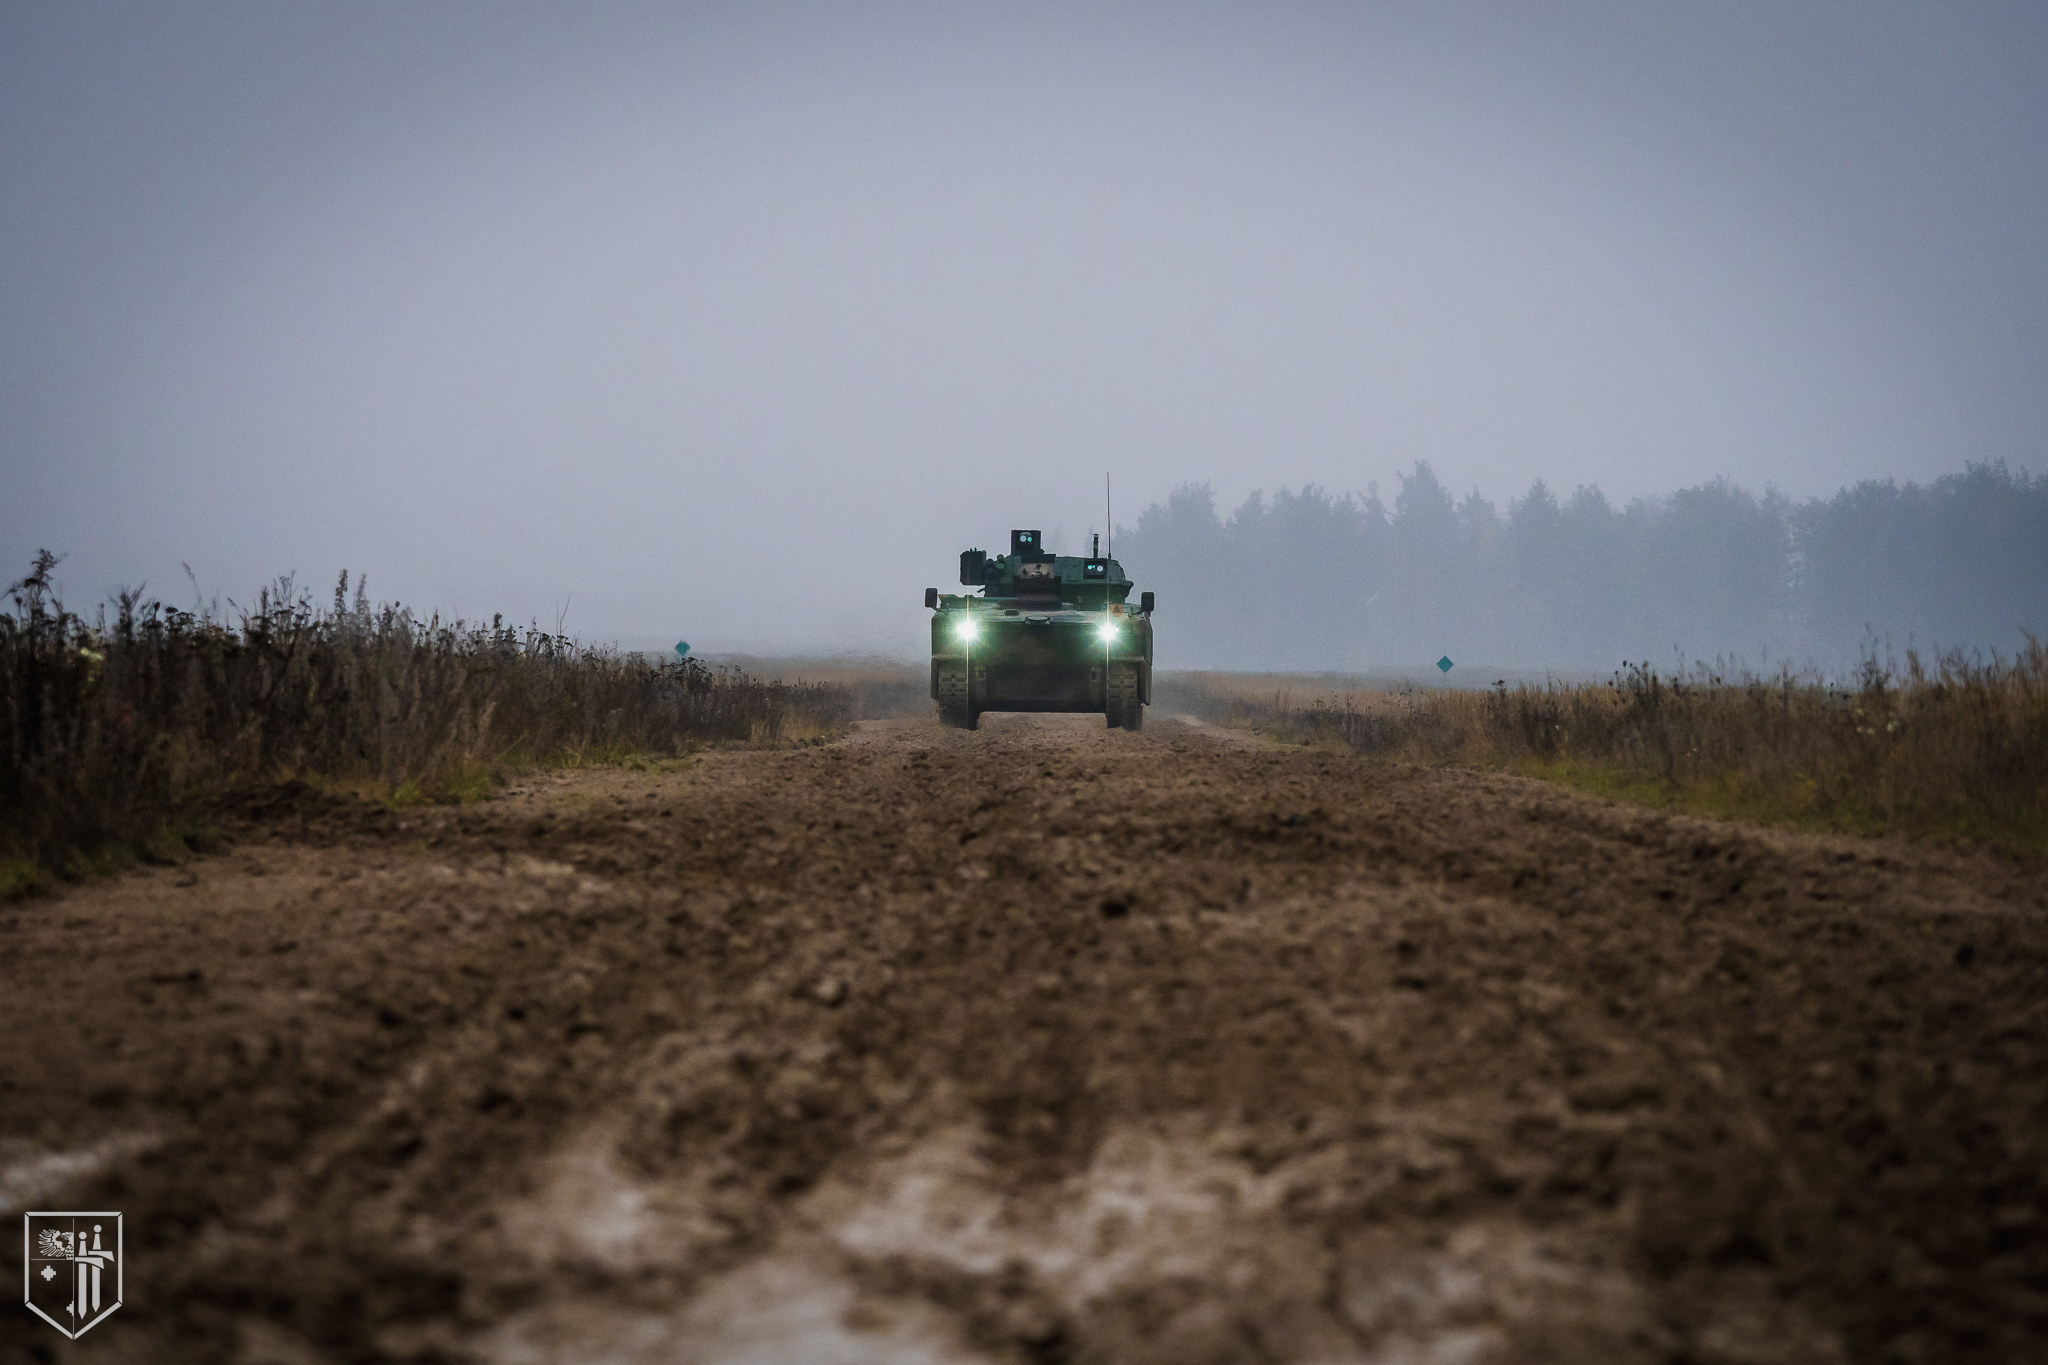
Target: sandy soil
(1040,1044)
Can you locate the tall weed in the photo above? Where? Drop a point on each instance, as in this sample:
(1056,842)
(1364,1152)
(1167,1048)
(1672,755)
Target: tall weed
(1953,747)
(114,729)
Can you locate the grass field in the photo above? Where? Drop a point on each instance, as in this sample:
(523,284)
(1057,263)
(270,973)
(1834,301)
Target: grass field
(1950,748)
(120,734)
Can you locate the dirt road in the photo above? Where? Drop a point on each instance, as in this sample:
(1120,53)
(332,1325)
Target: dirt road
(1040,1044)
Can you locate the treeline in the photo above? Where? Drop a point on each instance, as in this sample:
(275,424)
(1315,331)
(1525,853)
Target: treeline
(1312,580)
(120,733)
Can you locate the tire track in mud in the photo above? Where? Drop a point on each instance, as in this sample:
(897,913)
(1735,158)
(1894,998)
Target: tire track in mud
(1045,1044)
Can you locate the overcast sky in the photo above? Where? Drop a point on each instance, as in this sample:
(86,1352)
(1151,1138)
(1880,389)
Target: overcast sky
(737,322)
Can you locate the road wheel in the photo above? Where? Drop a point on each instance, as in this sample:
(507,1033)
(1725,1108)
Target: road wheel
(1122,708)
(954,709)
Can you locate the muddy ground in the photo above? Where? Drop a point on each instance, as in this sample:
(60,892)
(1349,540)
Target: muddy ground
(1041,1044)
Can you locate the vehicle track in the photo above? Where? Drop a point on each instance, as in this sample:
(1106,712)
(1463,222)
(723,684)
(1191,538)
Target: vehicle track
(1041,1043)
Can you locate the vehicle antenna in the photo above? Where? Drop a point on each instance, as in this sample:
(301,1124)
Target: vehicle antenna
(1107,522)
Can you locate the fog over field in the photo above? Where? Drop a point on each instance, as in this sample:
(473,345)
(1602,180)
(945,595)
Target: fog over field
(736,323)
(1576,584)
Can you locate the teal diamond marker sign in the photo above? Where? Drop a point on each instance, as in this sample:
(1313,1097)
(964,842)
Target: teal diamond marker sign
(1444,663)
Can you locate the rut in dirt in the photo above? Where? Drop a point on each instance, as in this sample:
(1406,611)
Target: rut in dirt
(1046,1043)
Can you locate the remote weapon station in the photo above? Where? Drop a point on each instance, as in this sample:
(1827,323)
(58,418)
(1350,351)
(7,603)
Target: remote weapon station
(1048,633)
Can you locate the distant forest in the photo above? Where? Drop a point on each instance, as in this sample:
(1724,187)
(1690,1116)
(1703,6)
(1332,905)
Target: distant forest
(1312,580)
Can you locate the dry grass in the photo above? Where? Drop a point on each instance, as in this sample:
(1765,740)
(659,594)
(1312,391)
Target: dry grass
(117,735)
(1953,749)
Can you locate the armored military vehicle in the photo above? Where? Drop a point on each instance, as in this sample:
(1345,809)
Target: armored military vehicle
(1047,633)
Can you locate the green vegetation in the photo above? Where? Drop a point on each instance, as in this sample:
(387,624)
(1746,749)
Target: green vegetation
(1955,750)
(119,736)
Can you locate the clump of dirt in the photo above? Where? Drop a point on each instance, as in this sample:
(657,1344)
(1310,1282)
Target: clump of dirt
(1037,1044)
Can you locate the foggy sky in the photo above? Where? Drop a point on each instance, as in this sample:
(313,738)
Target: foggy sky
(737,323)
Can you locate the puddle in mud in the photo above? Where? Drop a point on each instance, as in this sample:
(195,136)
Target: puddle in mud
(777,1311)
(589,1211)
(30,1176)
(1163,1250)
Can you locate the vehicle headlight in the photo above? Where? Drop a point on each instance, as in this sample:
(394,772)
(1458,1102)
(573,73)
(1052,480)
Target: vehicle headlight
(966,628)
(1107,632)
